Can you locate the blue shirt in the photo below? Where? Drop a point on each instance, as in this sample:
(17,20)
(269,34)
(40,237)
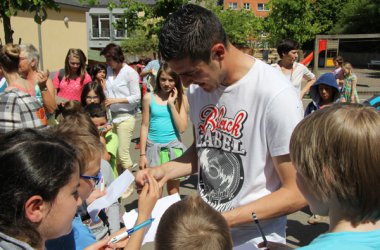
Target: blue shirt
(79,238)
(346,241)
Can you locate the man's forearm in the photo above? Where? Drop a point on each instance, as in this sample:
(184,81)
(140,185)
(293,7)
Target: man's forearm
(184,165)
(281,202)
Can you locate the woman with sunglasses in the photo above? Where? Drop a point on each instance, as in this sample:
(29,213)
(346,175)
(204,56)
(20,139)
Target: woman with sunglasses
(40,200)
(69,82)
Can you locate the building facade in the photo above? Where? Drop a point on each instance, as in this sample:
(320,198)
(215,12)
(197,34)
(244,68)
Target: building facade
(259,7)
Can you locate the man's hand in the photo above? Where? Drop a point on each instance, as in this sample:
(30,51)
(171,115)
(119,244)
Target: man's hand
(157,173)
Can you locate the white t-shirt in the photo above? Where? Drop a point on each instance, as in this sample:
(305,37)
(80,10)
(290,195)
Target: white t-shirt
(298,72)
(238,129)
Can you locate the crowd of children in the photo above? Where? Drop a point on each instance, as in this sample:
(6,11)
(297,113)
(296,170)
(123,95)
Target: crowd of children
(51,174)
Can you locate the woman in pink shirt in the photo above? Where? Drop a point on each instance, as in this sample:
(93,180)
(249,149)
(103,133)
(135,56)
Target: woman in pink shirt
(69,84)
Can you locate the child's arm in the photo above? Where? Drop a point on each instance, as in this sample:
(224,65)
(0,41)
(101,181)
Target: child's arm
(180,118)
(148,197)
(353,89)
(144,131)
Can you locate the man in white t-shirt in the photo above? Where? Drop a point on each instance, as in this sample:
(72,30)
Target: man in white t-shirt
(243,113)
(295,72)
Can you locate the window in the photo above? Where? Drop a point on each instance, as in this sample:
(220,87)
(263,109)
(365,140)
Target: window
(262,7)
(247,6)
(120,26)
(233,5)
(100,26)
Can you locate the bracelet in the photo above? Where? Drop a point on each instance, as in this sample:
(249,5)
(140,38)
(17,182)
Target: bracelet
(142,154)
(44,89)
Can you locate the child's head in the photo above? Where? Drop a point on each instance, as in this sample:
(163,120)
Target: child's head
(99,71)
(98,114)
(39,181)
(166,80)
(338,61)
(347,69)
(92,93)
(192,224)
(325,89)
(75,62)
(78,130)
(336,153)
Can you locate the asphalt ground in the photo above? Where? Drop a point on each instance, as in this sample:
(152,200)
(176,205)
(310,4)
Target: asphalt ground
(299,232)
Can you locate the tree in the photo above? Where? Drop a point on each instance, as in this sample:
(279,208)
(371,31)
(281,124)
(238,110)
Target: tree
(144,22)
(291,19)
(241,26)
(358,17)
(327,13)
(10,8)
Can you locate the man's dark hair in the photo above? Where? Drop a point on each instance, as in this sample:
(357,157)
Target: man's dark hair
(287,45)
(191,32)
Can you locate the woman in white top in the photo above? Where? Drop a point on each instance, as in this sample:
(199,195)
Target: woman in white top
(294,71)
(123,96)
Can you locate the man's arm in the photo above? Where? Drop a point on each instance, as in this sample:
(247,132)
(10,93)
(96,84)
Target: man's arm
(287,199)
(184,165)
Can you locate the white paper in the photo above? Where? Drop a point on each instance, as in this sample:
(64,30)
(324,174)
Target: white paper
(114,191)
(162,204)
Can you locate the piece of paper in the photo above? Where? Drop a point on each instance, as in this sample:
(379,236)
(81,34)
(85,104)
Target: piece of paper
(162,204)
(114,191)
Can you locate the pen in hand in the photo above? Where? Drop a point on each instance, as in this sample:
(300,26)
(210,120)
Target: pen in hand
(260,229)
(130,231)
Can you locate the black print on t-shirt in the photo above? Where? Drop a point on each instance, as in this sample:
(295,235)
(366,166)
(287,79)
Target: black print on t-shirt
(221,173)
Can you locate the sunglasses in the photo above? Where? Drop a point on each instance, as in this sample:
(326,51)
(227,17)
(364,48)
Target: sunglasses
(96,178)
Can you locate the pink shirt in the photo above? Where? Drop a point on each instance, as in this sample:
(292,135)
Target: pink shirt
(70,89)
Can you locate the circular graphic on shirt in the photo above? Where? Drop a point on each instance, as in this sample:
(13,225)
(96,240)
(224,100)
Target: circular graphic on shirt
(221,177)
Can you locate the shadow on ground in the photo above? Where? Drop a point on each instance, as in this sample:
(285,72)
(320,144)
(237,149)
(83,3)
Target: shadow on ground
(301,234)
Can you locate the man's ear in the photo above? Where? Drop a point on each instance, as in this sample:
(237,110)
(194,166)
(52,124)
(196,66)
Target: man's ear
(35,208)
(218,52)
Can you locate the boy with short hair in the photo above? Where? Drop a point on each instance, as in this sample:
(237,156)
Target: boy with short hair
(324,92)
(192,224)
(98,115)
(338,172)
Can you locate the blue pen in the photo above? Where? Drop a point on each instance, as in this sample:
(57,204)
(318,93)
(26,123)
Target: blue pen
(131,231)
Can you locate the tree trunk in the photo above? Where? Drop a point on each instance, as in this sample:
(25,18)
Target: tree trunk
(8,32)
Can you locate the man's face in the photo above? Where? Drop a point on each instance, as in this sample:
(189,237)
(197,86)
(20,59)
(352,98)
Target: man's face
(207,76)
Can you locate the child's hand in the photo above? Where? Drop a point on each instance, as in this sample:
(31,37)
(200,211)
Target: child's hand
(103,244)
(149,195)
(173,96)
(143,162)
(95,195)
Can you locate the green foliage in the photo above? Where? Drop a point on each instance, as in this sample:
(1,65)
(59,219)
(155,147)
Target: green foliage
(358,17)
(10,7)
(144,22)
(327,13)
(291,19)
(139,44)
(241,26)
